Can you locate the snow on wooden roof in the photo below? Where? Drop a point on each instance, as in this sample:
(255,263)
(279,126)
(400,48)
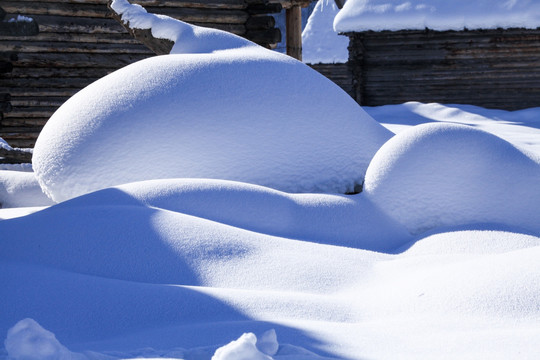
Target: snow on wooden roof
(379,15)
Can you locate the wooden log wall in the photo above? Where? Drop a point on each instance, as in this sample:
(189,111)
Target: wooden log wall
(341,74)
(489,68)
(78,42)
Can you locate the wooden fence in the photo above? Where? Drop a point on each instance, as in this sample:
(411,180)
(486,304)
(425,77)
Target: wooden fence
(78,42)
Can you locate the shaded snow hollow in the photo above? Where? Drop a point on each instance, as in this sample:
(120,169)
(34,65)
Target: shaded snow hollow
(245,113)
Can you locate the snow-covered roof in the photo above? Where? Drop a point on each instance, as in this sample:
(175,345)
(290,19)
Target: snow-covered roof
(378,15)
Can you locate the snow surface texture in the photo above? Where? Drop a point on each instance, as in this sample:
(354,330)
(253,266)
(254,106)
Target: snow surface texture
(437,175)
(124,268)
(378,15)
(20,189)
(180,268)
(245,113)
(320,43)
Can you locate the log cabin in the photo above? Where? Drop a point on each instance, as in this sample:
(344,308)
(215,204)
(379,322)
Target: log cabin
(485,54)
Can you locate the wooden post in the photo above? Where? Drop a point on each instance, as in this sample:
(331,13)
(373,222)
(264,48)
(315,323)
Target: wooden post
(294,31)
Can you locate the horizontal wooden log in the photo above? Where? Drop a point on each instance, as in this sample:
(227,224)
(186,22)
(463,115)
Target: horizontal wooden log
(21,143)
(9,121)
(260,22)
(88,28)
(50,37)
(22,132)
(80,60)
(205,4)
(101,11)
(47,92)
(33,111)
(266,8)
(28,101)
(79,25)
(15,156)
(45,73)
(2,14)
(203,15)
(70,47)
(60,83)
(269,36)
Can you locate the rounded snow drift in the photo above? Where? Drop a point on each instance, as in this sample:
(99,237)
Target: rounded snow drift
(249,115)
(446,175)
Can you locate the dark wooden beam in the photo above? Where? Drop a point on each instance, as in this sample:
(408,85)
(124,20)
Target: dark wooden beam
(294,32)
(14,156)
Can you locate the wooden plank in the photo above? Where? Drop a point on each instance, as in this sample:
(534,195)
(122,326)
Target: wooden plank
(38,101)
(50,37)
(20,143)
(33,111)
(80,60)
(60,83)
(18,122)
(205,4)
(100,11)
(70,47)
(83,25)
(44,73)
(269,36)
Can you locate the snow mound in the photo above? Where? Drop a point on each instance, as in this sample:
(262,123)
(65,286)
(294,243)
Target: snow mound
(27,340)
(245,348)
(246,114)
(320,43)
(446,175)
(377,15)
(20,189)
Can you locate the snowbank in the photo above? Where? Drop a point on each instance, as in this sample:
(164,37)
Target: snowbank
(20,189)
(246,114)
(320,43)
(378,15)
(27,340)
(132,269)
(437,175)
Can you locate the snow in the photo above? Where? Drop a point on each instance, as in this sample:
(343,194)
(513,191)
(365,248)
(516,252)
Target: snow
(379,15)
(172,115)
(242,349)
(178,268)
(436,258)
(436,175)
(20,18)
(20,189)
(320,43)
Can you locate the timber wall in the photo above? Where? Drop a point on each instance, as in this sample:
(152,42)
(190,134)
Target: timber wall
(79,42)
(489,68)
(339,73)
